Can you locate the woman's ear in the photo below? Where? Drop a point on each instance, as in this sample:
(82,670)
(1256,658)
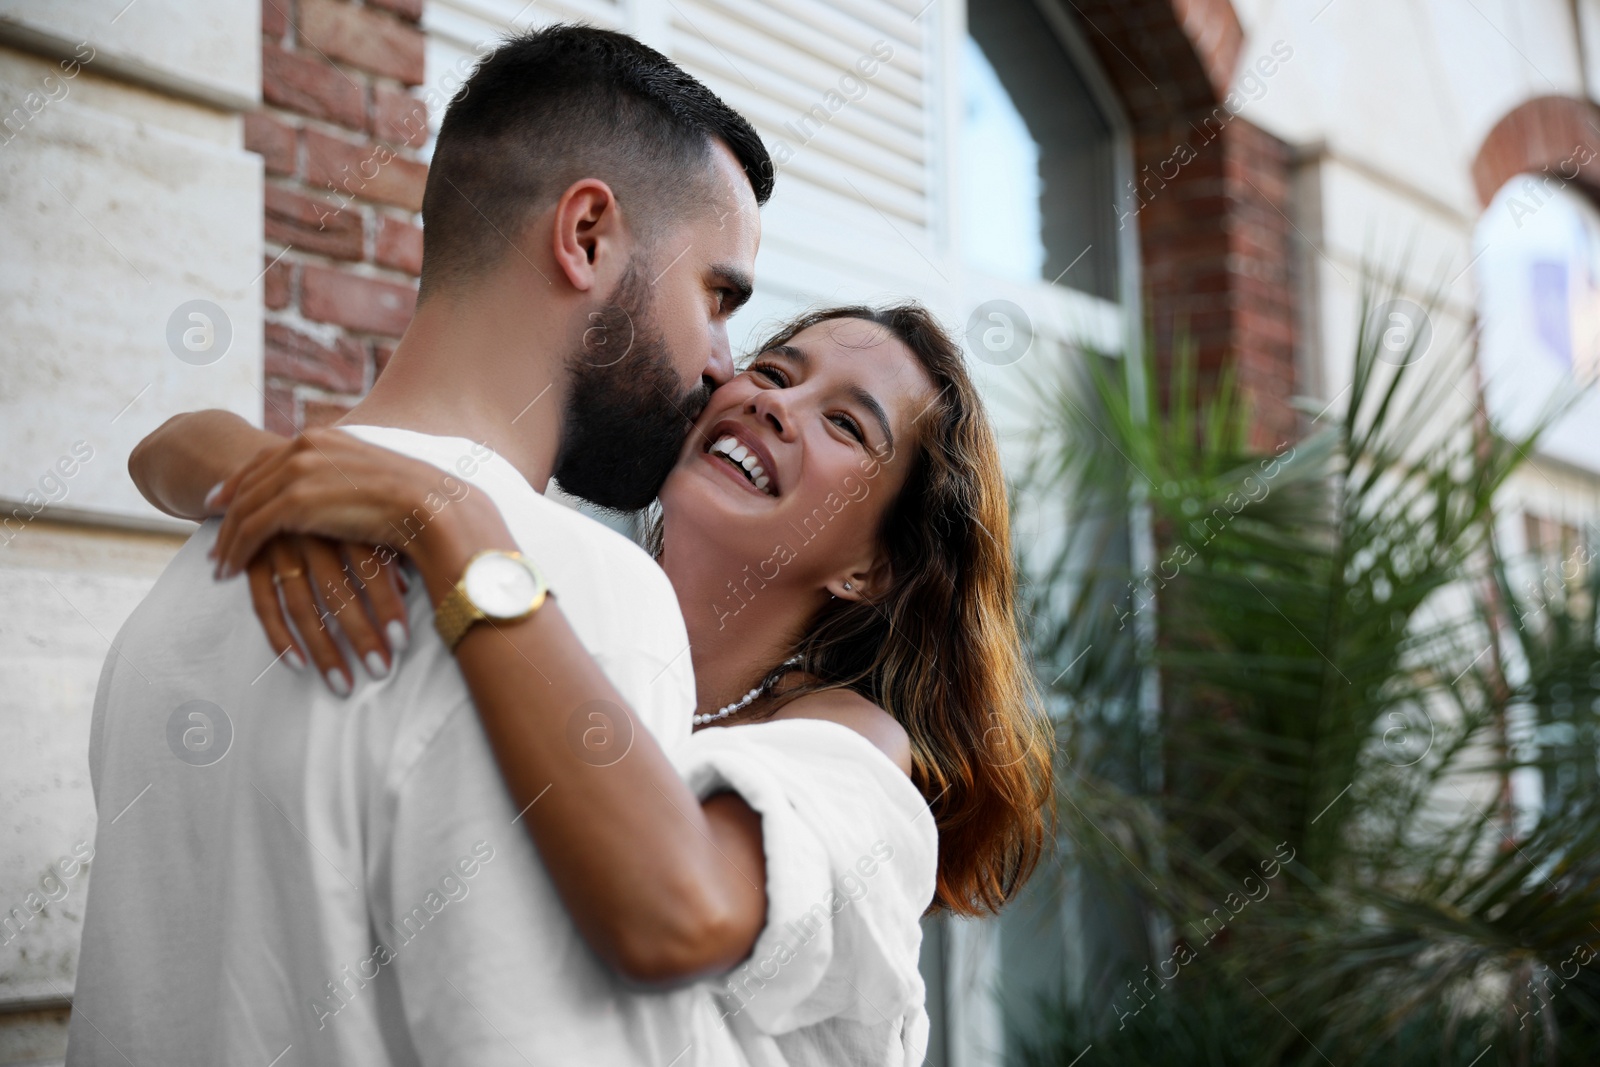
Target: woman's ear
(862,584)
(587,224)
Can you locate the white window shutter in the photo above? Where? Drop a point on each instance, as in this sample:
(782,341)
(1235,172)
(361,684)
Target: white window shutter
(848,140)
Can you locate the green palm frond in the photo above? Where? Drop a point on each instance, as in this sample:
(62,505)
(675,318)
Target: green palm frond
(1330,631)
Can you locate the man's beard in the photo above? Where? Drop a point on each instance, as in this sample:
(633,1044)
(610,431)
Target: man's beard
(627,414)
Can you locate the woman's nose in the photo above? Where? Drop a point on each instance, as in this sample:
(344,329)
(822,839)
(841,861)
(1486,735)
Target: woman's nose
(773,408)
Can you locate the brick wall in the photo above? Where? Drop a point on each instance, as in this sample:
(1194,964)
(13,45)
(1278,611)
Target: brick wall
(1212,196)
(338,131)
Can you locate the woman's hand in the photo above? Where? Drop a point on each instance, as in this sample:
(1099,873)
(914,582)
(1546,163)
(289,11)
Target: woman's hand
(182,468)
(185,458)
(316,583)
(329,483)
(322,520)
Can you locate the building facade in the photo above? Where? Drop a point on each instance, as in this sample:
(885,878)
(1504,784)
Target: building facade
(215,205)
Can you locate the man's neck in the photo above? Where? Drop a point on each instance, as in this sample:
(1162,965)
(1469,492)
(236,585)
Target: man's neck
(465,370)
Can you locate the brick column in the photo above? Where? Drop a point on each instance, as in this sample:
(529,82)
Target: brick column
(1211,193)
(1217,253)
(338,132)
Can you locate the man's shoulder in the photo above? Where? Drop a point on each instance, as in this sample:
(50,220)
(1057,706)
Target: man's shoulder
(458,455)
(568,523)
(584,547)
(562,538)
(613,593)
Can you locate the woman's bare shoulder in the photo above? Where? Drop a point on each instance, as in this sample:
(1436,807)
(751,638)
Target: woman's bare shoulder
(849,708)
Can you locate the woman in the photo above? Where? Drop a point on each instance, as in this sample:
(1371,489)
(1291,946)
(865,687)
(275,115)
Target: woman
(837,534)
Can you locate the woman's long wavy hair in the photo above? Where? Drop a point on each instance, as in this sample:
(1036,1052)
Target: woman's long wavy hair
(940,649)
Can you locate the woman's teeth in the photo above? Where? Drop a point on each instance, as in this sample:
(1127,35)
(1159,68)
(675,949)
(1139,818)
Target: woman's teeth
(743,458)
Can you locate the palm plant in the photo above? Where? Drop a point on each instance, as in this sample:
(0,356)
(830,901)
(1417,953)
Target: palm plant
(1347,673)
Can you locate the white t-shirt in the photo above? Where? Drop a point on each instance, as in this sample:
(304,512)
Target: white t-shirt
(349,882)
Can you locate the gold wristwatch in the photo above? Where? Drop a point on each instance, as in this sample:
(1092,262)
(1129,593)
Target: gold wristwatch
(497,586)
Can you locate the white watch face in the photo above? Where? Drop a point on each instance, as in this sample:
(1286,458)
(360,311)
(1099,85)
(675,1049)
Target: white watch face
(500,586)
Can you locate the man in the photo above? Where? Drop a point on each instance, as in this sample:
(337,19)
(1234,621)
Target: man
(293,872)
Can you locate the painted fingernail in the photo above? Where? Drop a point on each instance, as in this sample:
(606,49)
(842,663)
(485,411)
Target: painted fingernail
(375,665)
(338,682)
(398,638)
(213,494)
(296,660)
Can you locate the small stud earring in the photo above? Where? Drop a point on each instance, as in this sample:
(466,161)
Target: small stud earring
(847,587)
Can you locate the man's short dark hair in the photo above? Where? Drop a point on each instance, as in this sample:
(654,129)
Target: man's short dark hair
(550,107)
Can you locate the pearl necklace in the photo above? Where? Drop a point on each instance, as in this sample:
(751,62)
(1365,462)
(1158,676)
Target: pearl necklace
(749,698)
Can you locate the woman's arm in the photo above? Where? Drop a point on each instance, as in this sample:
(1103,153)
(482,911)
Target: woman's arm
(178,465)
(189,454)
(663,887)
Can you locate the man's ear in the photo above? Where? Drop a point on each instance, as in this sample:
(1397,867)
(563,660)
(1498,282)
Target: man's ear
(587,226)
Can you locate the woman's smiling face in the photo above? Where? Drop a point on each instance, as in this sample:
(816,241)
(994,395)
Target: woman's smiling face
(804,451)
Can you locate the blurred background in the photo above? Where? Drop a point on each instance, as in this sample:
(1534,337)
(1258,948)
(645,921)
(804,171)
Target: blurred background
(1288,310)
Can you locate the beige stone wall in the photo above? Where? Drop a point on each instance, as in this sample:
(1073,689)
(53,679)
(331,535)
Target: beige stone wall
(122,207)
(67,590)
(126,193)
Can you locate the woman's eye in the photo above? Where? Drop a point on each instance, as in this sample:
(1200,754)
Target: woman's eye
(850,426)
(771,373)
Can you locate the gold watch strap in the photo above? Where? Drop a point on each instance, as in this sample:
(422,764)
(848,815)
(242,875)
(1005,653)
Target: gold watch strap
(454,616)
(456,613)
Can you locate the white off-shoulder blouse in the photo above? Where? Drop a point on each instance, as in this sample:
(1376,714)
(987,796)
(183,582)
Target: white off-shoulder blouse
(851,851)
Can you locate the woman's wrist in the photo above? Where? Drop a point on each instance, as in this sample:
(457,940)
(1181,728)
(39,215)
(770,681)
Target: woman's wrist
(449,540)
(177,465)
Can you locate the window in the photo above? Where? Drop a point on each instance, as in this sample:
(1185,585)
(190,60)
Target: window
(1039,140)
(1036,174)
(1538,264)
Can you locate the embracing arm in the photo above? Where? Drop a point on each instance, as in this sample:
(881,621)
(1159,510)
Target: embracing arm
(179,464)
(183,458)
(662,886)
